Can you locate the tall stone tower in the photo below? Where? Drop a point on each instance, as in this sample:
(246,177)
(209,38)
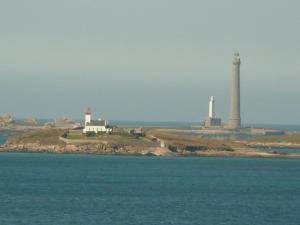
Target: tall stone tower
(235,111)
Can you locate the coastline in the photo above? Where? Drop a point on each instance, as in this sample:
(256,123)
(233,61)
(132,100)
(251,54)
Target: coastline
(135,151)
(156,142)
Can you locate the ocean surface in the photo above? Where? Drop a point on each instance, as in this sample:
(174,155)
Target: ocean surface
(52,189)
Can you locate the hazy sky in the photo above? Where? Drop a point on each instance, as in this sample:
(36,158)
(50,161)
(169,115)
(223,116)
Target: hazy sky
(149,60)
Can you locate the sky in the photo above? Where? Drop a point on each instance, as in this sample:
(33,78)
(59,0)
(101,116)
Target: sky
(157,60)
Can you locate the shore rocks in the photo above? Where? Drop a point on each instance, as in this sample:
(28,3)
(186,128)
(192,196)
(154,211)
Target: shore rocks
(86,148)
(116,149)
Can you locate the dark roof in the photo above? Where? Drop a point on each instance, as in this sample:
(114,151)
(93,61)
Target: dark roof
(96,123)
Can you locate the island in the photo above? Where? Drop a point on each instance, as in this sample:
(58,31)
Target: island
(150,141)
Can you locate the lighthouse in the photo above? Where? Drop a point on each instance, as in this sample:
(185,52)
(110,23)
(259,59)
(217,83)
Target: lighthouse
(211,110)
(95,126)
(235,113)
(212,121)
(87,116)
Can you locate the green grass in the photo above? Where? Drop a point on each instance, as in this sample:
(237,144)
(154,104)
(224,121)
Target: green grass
(44,137)
(197,142)
(113,138)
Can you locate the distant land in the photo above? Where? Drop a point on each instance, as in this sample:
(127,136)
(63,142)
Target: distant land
(63,135)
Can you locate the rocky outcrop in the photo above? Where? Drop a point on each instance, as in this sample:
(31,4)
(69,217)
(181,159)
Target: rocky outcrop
(119,149)
(5,120)
(116,149)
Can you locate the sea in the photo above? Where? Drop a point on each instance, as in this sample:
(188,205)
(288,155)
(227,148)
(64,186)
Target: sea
(52,189)
(75,189)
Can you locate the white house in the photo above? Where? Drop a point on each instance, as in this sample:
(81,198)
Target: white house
(95,126)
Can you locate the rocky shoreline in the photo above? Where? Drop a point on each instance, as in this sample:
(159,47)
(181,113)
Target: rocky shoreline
(158,144)
(103,149)
(112,149)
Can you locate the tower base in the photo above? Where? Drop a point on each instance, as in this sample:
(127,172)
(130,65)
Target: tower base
(213,122)
(234,124)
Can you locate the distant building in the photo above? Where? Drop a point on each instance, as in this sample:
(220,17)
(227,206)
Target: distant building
(137,132)
(212,120)
(63,123)
(6,119)
(95,126)
(262,131)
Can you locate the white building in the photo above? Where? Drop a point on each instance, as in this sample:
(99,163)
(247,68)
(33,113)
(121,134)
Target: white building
(95,126)
(212,120)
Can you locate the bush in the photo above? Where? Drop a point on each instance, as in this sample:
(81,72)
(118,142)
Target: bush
(172,148)
(193,148)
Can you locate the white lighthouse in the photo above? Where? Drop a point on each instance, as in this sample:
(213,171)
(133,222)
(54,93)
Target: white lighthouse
(212,120)
(95,126)
(87,116)
(211,110)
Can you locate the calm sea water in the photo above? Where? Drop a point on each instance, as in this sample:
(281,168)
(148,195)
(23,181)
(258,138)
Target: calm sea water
(52,189)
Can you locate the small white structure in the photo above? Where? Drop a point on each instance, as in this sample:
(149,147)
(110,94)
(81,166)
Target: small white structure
(211,111)
(95,126)
(212,120)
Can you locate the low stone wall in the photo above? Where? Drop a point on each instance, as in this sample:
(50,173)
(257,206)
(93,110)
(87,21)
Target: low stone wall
(270,144)
(77,142)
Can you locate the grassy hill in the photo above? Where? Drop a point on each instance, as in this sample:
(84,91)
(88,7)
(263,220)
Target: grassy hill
(194,142)
(44,137)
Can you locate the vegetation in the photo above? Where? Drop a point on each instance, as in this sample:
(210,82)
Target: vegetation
(44,137)
(52,137)
(122,139)
(193,142)
(175,141)
(290,138)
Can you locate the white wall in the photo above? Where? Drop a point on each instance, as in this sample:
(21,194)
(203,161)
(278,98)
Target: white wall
(96,129)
